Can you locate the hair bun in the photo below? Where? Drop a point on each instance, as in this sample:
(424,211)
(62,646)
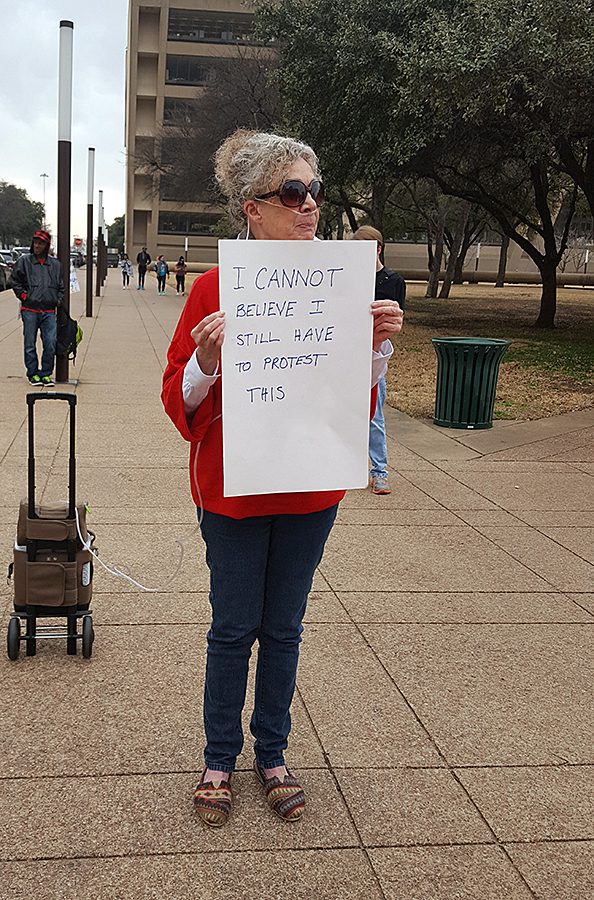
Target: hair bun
(226,158)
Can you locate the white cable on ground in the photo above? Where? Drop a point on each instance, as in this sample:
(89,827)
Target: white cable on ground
(118,573)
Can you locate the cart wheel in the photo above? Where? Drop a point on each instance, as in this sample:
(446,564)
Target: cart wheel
(88,636)
(13,638)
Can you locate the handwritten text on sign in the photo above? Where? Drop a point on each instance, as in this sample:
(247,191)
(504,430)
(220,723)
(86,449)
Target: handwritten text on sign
(296,364)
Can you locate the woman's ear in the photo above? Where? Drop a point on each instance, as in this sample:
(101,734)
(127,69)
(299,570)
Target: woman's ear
(252,210)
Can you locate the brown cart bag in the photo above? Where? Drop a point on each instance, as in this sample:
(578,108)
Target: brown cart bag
(52,569)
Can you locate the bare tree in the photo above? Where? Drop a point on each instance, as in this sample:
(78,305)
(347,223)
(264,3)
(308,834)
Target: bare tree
(239,94)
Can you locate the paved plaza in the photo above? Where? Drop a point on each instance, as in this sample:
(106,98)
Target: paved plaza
(443,724)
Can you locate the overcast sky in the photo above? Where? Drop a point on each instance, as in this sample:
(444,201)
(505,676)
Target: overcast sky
(29,47)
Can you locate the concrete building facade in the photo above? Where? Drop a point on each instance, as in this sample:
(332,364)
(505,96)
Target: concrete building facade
(172,48)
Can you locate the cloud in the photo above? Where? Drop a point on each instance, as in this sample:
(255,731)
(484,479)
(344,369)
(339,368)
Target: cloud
(28,101)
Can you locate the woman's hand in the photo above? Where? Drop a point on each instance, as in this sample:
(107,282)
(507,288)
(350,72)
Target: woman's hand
(387,320)
(208,335)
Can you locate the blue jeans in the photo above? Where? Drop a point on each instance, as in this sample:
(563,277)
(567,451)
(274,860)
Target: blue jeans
(261,571)
(378,451)
(46,322)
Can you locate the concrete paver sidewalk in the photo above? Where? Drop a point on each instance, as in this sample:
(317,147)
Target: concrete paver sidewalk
(443,724)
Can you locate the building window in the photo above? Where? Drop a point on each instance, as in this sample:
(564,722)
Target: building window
(179,112)
(219,27)
(193,70)
(187,223)
(171,189)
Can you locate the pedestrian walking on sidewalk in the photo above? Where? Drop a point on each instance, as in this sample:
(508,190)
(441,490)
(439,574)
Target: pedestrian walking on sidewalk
(180,276)
(162,270)
(38,282)
(127,271)
(143,261)
(389,285)
(262,551)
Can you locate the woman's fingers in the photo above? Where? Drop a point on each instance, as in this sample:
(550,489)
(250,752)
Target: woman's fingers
(208,335)
(387,314)
(387,320)
(209,325)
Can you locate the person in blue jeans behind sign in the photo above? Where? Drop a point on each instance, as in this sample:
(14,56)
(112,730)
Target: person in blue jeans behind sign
(389,285)
(38,282)
(262,550)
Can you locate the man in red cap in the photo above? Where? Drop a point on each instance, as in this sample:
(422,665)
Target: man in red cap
(38,282)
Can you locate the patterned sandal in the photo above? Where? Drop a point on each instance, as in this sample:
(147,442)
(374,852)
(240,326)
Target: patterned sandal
(213,804)
(286,798)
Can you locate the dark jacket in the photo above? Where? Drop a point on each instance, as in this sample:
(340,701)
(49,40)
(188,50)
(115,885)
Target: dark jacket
(390,285)
(143,259)
(38,285)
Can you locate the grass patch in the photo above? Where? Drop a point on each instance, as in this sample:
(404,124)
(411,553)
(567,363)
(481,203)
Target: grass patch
(559,354)
(544,372)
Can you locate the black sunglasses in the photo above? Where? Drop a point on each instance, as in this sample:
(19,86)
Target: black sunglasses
(294,193)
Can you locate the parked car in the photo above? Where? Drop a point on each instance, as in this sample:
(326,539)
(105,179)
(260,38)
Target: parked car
(7,258)
(18,251)
(5,273)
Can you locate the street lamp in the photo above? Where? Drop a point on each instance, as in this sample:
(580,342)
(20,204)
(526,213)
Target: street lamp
(44,175)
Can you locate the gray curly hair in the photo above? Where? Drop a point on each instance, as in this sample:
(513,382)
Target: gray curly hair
(251,163)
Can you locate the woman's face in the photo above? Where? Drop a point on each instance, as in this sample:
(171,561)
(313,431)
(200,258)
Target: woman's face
(270,220)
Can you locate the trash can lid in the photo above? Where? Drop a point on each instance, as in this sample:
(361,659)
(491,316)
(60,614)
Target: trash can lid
(472,341)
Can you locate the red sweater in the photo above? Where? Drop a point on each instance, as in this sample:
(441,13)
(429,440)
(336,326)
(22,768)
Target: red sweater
(204,430)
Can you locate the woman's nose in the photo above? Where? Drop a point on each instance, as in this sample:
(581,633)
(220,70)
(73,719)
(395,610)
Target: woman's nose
(308,204)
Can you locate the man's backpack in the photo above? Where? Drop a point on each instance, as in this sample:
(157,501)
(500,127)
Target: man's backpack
(69,335)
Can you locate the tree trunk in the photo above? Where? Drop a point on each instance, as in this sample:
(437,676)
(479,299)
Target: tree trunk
(429,249)
(464,248)
(548,300)
(502,261)
(379,194)
(459,267)
(457,238)
(433,282)
(352,219)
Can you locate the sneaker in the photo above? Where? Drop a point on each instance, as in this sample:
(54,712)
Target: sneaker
(35,379)
(47,380)
(379,484)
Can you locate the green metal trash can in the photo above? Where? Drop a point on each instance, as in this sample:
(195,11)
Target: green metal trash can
(467,370)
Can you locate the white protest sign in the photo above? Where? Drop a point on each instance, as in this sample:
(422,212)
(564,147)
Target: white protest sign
(296,364)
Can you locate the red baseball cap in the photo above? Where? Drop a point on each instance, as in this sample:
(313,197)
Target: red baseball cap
(43,236)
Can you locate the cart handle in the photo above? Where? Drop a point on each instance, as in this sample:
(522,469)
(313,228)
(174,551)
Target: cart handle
(51,395)
(31,400)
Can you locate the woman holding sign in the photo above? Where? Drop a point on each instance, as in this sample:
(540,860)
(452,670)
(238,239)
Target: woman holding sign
(262,550)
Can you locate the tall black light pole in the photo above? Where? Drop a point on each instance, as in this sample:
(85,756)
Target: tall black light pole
(103,243)
(99,248)
(105,239)
(64,169)
(89,264)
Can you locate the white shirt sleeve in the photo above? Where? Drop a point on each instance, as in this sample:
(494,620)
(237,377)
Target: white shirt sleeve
(196,384)
(379,361)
